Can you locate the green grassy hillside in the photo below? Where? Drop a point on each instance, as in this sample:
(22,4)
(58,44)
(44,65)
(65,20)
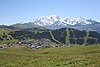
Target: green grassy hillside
(5,30)
(21,56)
(27,26)
(5,36)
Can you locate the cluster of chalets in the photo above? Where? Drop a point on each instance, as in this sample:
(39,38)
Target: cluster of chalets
(41,43)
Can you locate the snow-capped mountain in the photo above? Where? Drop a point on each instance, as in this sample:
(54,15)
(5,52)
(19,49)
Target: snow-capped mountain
(47,21)
(55,22)
(75,21)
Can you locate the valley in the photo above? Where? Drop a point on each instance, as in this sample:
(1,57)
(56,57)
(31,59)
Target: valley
(63,36)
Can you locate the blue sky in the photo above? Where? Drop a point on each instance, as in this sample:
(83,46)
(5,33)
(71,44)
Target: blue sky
(13,11)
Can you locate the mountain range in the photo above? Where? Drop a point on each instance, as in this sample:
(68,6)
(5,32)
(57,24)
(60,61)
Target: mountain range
(55,22)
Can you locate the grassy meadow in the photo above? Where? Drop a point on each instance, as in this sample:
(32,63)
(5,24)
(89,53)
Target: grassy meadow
(75,56)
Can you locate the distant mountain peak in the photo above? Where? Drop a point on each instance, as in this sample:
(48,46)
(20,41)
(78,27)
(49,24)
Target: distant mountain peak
(56,21)
(76,21)
(46,20)
(49,17)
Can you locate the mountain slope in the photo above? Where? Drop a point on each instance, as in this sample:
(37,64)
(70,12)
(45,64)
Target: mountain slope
(27,26)
(5,37)
(60,36)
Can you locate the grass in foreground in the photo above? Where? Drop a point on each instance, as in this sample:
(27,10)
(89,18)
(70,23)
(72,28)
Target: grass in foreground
(76,56)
